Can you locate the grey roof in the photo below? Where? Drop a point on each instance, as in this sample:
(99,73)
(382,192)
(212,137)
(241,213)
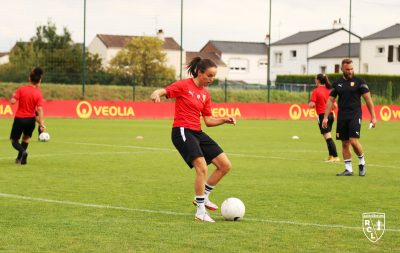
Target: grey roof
(240,47)
(390,32)
(212,56)
(341,51)
(307,37)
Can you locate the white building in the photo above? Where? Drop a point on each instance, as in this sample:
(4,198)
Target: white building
(4,58)
(329,61)
(107,47)
(380,52)
(291,55)
(246,61)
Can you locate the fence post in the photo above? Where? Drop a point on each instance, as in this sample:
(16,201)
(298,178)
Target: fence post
(133,88)
(226,90)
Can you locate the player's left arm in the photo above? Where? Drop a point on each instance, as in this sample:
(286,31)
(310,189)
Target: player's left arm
(370,106)
(210,121)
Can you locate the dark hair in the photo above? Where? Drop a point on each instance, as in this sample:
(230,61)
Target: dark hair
(36,75)
(347,61)
(197,64)
(323,79)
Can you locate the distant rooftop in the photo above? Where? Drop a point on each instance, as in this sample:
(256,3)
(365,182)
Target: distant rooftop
(307,37)
(239,47)
(341,51)
(119,41)
(387,33)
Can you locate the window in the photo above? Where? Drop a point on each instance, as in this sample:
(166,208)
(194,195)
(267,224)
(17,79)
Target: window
(293,54)
(323,69)
(337,68)
(380,50)
(238,65)
(390,53)
(278,58)
(398,53)
(262,63)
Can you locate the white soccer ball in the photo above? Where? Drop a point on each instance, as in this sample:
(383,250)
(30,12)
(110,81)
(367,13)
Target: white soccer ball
(44,137)
(233,209)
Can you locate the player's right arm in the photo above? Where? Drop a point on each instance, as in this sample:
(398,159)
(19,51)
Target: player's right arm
(157,94)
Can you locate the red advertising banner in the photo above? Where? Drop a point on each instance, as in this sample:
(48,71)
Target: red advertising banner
(149,110)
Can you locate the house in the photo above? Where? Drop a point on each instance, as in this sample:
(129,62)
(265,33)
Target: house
(380,52)
(246,61)
(291,55)
(107,47)
(4,57)
(222,72)
(329,61)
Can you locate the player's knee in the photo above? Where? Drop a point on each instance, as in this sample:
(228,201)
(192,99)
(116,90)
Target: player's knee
(225,167)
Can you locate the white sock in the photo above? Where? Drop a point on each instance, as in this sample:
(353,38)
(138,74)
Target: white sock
(361,159)
(347,165)
(200,204)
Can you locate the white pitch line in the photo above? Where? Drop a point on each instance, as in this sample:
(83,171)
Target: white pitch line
(63,202)
(84,153)
(117,146)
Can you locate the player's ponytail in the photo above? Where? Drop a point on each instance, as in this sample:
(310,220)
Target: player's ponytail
(197,64)
(36,75)
(324,80)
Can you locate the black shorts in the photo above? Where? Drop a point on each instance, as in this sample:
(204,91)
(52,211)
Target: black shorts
(22,125)
(328,129)
(192,144)
(348,128)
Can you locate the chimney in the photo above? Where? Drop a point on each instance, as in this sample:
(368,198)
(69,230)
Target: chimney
(160,34)
(266,40)
(337,24)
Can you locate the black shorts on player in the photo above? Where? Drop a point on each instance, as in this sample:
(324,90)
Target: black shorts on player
(328,129)
(22,126)
(348,128)
(192,144)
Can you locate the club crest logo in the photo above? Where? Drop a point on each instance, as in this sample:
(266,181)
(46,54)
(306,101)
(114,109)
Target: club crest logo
(373,225)
(352,84)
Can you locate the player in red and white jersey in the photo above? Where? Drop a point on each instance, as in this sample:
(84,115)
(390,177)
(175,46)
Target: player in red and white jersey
(193,102)
(30,103)
(318,100)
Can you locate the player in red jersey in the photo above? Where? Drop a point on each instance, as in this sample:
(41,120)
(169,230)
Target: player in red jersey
(197,148)
(30,102)
(318,100)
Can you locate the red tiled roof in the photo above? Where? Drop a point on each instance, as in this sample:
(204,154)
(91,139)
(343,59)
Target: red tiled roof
(119,41)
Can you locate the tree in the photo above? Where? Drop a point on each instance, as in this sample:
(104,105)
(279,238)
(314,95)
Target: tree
(57,54)
(143,60)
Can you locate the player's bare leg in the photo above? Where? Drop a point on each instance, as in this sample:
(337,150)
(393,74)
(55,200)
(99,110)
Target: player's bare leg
(201,169)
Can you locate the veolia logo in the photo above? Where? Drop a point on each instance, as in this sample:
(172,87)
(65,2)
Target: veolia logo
(386,113)
(84,110)
(295,112)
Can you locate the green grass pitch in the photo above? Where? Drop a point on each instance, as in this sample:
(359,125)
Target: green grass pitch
(96,188)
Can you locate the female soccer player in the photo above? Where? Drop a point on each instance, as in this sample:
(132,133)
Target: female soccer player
(197,148)
(318,100)
(30,101)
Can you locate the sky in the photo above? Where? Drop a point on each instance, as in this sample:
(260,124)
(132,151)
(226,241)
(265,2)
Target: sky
(203,20)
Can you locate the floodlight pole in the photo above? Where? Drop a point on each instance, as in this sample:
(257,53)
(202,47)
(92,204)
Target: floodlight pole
(269,54)
(84,51)
(180,65)
(350,30)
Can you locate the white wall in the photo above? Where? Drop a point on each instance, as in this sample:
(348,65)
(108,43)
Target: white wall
(329,42)
(314,65)
(4,59)
(254,73)
(289,64)
(97,47)
(378,63)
